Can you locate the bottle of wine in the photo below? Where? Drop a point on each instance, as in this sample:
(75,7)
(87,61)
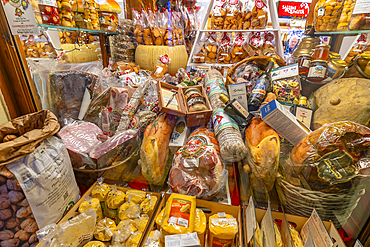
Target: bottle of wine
(263,85)
(236,111)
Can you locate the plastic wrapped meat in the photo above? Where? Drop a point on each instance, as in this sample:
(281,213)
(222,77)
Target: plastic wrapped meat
(80,138)
(66,91)
(197,168)
(116,148)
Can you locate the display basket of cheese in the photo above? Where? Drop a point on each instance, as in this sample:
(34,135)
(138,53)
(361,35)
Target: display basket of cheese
(326,170)
(209,223)
(121,217)
(260,61)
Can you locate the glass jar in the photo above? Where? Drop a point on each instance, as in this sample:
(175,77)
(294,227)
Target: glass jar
(334,55)
(363,60)
(304,63)
(317,71)
(321,52)
(336,68)
(367,69)
(195,100)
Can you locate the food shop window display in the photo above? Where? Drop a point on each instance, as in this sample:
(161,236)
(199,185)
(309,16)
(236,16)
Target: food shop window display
(37,46)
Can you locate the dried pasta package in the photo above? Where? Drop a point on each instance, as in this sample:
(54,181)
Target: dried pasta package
(224,50)
(132,212)
(211,47)
(327,13)
(278,239)
(238,52)
(115,199)
(218,15)
(154,239)
(134,239)
(95,244)
(135,196)
(200,222)
(124,230)
(123,208)
(360,19)
(179,214)
(141,222)
(91,203)
(296,238)
(222,230)
(104,229)
(233,15)
(159,219)
(147,206)
(346,15)
(100,191)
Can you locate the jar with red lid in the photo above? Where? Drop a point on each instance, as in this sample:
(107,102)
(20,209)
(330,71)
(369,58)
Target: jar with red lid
(304,62)
(49,12)
(321,52)
(317,71)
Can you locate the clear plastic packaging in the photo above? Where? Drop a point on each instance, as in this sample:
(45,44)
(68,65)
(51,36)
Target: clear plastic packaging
(135,196)
(346,15)
(80,138)
(91,12)
(147,206)
(158,29)
(141,222)
(238,52)
(222,227)
(360,19)
(147,22)
(91,203)
(132,212)
(218,15)
(168,36)
(211,47)
(139,26)
(228,137)
(197,169)
(49,12)
(224,50)
(233,19)
(65,13)
(104,229)
(95,244)
(115,198)
(327,14)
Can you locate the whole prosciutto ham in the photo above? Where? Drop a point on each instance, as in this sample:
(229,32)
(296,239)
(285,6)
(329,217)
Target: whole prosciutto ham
(197,169)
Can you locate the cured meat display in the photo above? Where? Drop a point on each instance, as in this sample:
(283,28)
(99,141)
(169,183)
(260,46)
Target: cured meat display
(118,98)
(197,168)
(116,149)
(154,149)
(80,138)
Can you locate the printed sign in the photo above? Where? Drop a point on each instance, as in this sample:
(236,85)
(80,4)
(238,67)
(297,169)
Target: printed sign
(19,14)
(293,9)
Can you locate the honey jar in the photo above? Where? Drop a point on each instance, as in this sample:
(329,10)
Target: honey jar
(336,68)
(317,71)
(321,52)
(304,62)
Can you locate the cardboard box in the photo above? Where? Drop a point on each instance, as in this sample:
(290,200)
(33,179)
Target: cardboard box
(284,122)
(209,208)
(74,210)
(299,222)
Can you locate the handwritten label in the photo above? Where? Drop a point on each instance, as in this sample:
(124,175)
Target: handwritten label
(267,226)
(317,228)
(250,213)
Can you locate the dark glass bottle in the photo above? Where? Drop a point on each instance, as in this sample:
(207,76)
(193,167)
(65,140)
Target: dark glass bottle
(236,111)
(263,85)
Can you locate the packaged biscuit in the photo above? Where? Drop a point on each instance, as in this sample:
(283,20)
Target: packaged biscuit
(104,229)
(139,26)
(218,15)
(101,191)
(222,230)
(360,19)
(179,214)
(95,244)
(327,13)
(147,33)
(211,47)
(141,222)
(233,15)
(147,206)
(158,29)
(346,15)
(238,52)
(135,196)
(115,199)
(255,15)
(224,50)
(199,54)
(93,203)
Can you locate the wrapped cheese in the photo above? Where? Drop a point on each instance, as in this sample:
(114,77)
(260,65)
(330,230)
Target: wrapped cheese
(91,203)
(95,244)
(179,214)
(134,239)
(147,206)
(141,222)
(132,212)
(222,230)
(135,196)
(104,229)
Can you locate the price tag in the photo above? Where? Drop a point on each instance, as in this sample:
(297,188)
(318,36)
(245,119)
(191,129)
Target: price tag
(251,219)
(315,225)
(267,226)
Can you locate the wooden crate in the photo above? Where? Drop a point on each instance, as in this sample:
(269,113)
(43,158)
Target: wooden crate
(199,117)
(161,87)
(209,208)
(74,210)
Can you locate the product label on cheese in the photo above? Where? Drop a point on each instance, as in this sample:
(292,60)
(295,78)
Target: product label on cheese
(180,212)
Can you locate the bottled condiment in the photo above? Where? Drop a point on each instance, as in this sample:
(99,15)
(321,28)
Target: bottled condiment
(234,108)
(262,86)
(363,60)
(336,68)
(304,63)
(333,55)
(317,70)
(303,112)
(303,101)
(367,69)
(195,100)
(321,52)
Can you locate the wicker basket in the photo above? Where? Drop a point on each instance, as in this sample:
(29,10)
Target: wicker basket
(336,207)
(261,62)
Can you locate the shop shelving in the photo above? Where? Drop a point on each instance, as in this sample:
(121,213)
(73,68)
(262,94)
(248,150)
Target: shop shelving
(47,27)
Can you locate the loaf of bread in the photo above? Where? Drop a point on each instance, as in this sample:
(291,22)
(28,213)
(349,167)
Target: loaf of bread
(263,159)
(154,149)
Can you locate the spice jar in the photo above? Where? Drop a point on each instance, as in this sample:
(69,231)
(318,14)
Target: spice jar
(367,69)
(336,68)
(363,60)
(321,52)
(195,100)
(304,63)
(317,71)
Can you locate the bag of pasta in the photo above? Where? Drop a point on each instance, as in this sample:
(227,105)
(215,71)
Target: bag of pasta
(327,13)
(238,52)
(360,19)
(224,51)
(233,15)
(346,15)
(211,46)
(218,15)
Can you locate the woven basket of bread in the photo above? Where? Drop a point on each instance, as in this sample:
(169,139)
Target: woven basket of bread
(260,61)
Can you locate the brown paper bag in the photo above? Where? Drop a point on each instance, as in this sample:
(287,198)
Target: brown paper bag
(31,130)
